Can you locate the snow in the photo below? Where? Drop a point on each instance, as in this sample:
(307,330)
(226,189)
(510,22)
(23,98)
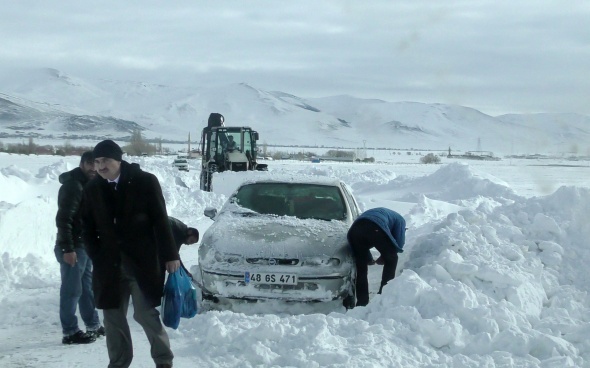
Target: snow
(493,272)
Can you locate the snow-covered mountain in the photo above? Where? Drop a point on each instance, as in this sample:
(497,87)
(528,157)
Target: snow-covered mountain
(19,117)
(49,103)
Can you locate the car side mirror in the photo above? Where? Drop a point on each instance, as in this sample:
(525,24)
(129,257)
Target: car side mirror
(210,212)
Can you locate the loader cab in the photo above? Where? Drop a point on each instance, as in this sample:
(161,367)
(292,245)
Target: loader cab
(227,149)
(220,142)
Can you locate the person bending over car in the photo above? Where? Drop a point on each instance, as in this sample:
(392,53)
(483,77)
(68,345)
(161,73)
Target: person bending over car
(383,229)
(183,235)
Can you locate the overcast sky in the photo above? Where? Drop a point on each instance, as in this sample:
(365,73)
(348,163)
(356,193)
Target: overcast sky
(498,56)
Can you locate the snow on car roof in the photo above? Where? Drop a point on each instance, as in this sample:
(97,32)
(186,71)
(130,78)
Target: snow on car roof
(298,179)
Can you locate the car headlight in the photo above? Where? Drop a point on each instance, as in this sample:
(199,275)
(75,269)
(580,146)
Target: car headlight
(321,261)
(229,258)
(334,262)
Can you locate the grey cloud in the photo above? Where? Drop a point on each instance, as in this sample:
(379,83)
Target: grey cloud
(497,56)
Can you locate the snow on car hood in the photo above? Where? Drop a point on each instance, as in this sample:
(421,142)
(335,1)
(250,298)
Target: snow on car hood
(254,235)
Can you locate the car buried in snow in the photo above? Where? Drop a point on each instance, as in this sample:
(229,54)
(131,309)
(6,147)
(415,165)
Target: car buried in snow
(280,240)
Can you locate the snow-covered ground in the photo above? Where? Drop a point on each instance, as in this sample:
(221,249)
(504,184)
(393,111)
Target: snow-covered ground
(493,273)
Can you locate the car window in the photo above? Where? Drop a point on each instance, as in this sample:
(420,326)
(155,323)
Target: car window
(324,202)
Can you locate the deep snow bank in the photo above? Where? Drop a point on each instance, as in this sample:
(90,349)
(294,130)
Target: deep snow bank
(483,283)
(488,279)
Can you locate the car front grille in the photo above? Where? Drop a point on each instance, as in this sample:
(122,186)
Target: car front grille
(273,261)
(269,287)
(299,286)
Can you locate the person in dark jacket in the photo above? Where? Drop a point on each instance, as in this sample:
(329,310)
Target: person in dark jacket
(182,233)
(75,266)
(231,144)
(383,229)
(129,239)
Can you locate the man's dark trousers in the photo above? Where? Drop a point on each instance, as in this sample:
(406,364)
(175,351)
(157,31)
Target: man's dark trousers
(364,235)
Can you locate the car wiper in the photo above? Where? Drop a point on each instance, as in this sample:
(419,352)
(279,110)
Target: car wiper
(247,214)
(314,218)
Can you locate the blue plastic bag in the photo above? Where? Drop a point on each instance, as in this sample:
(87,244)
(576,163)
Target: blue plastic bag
(180,298)
(189,305)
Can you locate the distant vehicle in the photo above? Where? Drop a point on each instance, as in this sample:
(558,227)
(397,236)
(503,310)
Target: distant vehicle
(476,155)
(181,164)
(227,149)
(287,241)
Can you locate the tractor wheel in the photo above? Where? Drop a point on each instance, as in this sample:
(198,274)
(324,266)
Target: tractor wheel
(262,167)
(205,182)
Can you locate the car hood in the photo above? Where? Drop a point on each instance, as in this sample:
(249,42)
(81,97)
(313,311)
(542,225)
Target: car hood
(272,236)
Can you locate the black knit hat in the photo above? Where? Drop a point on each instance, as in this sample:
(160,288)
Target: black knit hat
(108,149)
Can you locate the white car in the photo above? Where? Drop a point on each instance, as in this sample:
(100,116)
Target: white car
(181,164)
(276,239)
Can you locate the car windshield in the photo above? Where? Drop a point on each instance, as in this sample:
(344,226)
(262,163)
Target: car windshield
(301,200)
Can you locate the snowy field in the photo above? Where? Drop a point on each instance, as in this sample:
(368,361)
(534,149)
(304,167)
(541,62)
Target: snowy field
(493,273)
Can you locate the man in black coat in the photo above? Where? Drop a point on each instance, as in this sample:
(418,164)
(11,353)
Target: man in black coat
(129,239)
(75,266)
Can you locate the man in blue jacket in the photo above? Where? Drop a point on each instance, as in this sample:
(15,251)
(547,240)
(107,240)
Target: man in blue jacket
(383,229)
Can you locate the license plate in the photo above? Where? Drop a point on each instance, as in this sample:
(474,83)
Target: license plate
(270,278)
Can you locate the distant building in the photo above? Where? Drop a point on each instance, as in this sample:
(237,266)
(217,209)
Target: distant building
(475,155)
